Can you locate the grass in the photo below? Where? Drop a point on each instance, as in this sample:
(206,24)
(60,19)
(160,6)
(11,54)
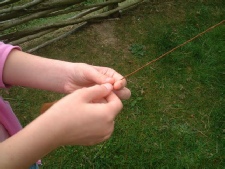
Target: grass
(176,115)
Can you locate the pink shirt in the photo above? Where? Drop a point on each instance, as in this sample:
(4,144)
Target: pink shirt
(9,124)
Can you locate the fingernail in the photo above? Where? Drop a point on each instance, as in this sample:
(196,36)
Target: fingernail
(108,86)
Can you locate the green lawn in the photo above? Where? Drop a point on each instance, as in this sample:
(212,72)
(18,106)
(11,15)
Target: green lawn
(176,115)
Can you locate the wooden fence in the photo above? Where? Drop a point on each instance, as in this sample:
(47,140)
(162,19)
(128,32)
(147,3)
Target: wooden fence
(45,21)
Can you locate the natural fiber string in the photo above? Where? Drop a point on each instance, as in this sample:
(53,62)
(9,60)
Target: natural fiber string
(48,105)
(163,55)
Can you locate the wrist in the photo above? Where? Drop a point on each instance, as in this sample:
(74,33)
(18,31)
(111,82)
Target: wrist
(48,130)
(31,143)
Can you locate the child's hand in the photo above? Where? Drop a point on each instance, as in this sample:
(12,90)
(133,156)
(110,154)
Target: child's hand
(84,75)
(86,116)
(59,76)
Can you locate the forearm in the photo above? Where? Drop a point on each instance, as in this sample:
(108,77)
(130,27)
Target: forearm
(30,144)
(27,70)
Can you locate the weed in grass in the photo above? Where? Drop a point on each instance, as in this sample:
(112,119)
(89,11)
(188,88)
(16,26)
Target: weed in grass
(137,49)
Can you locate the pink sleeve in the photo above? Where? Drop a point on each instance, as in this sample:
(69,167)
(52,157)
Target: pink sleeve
(5,49)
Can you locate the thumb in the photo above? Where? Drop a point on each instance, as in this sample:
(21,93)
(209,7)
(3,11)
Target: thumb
(95,92)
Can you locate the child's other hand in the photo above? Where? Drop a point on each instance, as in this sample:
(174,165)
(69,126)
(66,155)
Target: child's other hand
(86,116)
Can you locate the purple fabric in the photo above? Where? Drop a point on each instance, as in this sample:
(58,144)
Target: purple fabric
(7,117)
(5,49)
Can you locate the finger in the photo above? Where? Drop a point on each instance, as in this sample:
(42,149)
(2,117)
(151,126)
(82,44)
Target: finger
(119,84)
(110,73)
(100,77)
(123,94)
(96,92)
(114,103)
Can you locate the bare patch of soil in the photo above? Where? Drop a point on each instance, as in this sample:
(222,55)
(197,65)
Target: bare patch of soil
(105,33)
